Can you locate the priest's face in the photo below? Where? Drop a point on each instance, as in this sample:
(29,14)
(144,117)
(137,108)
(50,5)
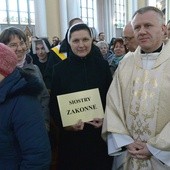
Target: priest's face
(149,30)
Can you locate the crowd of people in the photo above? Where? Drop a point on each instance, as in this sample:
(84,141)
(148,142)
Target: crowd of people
(131,76)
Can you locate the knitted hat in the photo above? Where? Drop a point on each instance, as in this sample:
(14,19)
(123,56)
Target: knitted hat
(8,60)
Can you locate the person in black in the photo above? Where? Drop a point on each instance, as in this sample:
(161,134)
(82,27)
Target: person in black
(81,146)
(60,53)
(41,49)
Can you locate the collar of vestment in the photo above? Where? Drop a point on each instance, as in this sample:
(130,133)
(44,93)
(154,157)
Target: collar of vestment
(156,51)
(163,55)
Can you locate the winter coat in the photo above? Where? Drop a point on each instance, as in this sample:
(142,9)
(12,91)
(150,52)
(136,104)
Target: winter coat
(81,150)
(24,143)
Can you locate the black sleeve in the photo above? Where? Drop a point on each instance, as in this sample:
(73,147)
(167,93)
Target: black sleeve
(55,90)
(52,60)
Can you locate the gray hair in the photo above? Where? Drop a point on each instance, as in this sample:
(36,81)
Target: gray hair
(102,43)
(151,8)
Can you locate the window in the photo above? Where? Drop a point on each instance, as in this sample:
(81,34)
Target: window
(87,12)
(119,13)
(3,12)
(13,12)
(157,3)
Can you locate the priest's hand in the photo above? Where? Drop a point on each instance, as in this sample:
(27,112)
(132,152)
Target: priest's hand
(96,122)
(132,148)
(77,127)
(139,150)
(143,153)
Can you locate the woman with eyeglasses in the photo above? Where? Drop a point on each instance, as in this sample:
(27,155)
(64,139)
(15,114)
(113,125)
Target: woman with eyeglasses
(16,39)
(24,142)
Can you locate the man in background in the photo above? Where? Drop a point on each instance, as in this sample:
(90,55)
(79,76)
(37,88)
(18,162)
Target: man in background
(101,36)
(56,41)
(129,38)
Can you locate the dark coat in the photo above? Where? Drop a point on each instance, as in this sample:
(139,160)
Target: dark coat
(24,143)
(82,150)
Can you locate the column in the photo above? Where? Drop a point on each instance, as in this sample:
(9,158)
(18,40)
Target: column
(63,17)
(40,18)
(68,10)
(73,9)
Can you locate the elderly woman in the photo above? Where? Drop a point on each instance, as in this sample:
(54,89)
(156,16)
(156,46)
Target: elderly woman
(106,53)
(24,142)
(80,145)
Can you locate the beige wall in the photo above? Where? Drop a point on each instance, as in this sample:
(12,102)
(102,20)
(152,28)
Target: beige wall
(53,18)
(142,3)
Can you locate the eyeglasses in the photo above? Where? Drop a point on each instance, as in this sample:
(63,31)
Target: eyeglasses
(127,38)
(16,45)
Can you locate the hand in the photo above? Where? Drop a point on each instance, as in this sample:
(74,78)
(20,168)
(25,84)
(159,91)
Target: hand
(77,127)
(132,148)
(96,122)
(139,150)
(143,153)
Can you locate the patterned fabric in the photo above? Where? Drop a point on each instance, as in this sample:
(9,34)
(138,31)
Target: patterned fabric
(137,106)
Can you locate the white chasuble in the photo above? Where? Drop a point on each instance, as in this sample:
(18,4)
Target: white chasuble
(138,105)
(141,121)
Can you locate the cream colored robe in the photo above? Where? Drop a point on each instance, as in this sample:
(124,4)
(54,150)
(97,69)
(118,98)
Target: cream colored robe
(138,105)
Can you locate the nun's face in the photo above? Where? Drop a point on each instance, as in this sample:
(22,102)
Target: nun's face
(81,43)
(41,53)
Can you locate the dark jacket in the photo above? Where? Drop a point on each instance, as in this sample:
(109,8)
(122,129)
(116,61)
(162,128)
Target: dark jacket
(81,150)
(24,143)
